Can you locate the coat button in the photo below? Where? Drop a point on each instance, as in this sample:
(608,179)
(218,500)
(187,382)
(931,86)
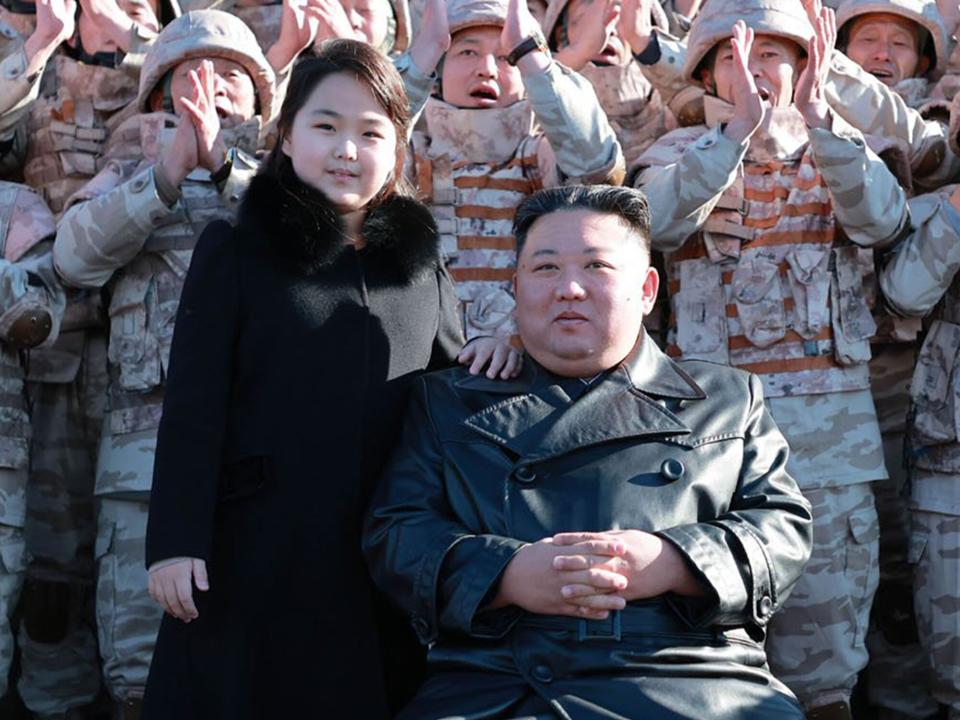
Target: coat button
(672,469)
(420,627)
(765,607)
(525,474)
(543,673)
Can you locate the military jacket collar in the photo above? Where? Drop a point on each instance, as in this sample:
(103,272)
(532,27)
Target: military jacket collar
(477,135)
(782,136)
(632,400)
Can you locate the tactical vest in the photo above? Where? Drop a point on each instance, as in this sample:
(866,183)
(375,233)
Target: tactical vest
(633,107)
(68,129)
(770,284)
(934,430)
(473,168)
(145,294)
(14,416)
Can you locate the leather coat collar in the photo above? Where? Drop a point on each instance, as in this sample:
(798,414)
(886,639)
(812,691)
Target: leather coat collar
(627,402)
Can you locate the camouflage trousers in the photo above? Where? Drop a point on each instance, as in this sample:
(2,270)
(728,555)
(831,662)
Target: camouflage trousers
(127,617)
(59,665)
(898,669)
(12,568)
(816,643)
(935,548)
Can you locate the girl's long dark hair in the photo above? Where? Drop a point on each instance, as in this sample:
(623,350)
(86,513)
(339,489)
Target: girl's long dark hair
(371,68)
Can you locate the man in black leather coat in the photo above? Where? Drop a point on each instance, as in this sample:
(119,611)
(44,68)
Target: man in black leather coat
(606,535)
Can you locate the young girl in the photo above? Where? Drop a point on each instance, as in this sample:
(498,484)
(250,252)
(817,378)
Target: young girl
(298,333)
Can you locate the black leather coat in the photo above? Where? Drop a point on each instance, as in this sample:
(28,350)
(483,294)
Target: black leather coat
(683,450)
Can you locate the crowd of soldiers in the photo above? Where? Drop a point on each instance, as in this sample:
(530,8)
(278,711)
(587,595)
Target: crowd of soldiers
(817,250)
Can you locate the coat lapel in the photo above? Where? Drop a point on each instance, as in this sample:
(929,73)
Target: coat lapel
(624,404)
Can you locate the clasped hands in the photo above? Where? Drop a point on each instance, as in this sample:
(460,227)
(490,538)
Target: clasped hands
(587,575)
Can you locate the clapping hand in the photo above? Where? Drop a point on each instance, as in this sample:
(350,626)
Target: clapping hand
(748,106)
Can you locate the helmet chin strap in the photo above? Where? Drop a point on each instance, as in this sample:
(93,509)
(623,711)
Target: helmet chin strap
(167,93)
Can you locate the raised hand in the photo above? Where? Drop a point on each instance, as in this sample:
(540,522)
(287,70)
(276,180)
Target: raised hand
(112,21)
(748,106)
(595,28)
(519,25)
(433,40)
(809,95)
(298,30)
(636,24)
(56,22)
(201,110)
(181,157)
(334,22)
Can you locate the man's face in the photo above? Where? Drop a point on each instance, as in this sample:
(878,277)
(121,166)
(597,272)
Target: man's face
(370,18)
(583,286)
(614,52)
(143,12)
(775,63)
(887,46)
(235,96)
(476,73)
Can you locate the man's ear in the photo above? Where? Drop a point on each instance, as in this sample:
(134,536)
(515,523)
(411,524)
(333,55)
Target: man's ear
(651,286)
(156,100)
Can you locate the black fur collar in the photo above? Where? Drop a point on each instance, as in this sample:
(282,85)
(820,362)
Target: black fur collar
(302,225)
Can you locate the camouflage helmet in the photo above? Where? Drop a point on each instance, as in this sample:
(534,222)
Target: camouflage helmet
(783,18)
(922,12)
(205,34)
(463,14)
(555,10)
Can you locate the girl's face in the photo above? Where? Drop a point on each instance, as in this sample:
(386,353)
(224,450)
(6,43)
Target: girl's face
(342,142)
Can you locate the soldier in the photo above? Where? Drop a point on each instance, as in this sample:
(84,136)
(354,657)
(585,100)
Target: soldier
(902,44)
(920,277)
(485,147)
(31,303)
(759,211)
(593,38)
(74,74)
(204,90)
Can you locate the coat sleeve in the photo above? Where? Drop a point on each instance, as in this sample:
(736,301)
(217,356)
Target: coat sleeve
(750,557)
(449,340)
(585,146)
(874,109)
(432,566)
(926,263)
(867,199)
(195,406)
(683,194)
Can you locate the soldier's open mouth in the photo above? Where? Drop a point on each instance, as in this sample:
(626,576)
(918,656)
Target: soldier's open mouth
(486,96)
(764,94)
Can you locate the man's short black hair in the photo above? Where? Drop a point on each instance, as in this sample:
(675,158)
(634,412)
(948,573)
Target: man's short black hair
(626,203)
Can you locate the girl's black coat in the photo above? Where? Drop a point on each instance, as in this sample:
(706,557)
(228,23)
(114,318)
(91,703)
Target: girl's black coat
(289,372)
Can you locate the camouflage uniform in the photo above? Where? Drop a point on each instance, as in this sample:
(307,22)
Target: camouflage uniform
(31,303)
(918,121)
(765,274)
(20,15)
(128,231)
(898,666)
(475,166)
(919,277)
(13,143)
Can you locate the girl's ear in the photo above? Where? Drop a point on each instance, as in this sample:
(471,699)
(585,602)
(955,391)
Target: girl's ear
(285,146)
